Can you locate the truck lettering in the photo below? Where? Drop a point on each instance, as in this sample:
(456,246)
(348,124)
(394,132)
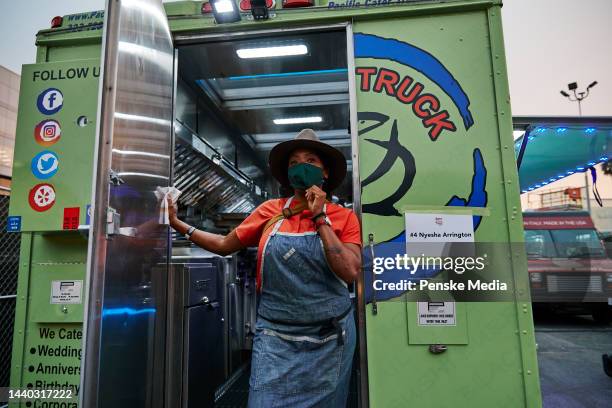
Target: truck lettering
(425,106)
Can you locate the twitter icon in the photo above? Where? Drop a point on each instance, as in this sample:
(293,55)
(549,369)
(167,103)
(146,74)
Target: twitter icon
(45,165)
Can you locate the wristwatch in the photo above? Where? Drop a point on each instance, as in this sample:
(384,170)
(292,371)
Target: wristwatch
(190,232)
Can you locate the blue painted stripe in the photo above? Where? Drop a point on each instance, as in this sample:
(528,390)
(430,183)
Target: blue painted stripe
(371,46)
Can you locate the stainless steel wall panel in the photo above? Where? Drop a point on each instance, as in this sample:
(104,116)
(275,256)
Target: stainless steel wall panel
(125,324)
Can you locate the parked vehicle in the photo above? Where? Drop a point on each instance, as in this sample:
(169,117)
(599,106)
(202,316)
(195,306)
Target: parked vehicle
(568,264)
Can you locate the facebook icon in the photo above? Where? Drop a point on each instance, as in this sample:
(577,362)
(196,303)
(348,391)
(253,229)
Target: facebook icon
(50,101)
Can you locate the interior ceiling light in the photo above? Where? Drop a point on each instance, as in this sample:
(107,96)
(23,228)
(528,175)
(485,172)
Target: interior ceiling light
(295,121)
(225,11)
(276,51)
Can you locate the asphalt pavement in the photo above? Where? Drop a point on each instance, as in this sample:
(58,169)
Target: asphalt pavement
(569,358)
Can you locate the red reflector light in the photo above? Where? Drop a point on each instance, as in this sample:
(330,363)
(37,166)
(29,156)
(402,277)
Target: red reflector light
(245,5)
(56,22)
(297,3)
(206,8)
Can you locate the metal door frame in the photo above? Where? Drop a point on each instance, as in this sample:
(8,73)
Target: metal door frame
(97,238)
(194,39)
(90,363)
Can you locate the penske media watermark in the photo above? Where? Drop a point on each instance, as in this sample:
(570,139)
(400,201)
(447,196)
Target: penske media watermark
(445,271)
(412,264)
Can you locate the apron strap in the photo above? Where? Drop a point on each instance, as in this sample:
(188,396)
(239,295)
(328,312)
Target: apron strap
(286,213)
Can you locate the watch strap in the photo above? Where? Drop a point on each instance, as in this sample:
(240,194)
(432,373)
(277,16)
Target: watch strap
(319,215)
(190,232)
(321,221)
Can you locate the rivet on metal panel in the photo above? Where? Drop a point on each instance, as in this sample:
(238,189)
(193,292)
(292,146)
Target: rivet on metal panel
(64,309)
(528,372)
(524,331)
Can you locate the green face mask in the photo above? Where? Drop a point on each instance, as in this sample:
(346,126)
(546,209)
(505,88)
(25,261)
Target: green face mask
(305,175)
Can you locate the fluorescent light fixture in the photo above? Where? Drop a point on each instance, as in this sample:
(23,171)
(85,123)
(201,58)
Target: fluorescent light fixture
(277,51)
(288,74)
(295,121)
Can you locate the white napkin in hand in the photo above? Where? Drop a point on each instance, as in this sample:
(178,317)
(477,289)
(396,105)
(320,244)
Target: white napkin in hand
(162,193)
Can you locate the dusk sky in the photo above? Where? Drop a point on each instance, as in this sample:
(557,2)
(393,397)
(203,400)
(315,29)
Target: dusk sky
(549,43)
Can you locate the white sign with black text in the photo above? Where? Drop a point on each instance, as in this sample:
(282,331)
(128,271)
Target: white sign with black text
(437,314)
(66,292)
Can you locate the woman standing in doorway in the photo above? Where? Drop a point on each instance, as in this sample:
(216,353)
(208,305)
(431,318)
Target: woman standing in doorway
(309,250)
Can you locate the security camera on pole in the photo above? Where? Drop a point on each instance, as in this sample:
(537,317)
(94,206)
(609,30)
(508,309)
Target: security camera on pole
(578,97)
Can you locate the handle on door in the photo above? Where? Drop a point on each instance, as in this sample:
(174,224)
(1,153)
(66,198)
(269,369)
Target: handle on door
(371,246)
(209,305)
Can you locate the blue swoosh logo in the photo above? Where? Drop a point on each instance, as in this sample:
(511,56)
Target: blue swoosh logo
(372,46)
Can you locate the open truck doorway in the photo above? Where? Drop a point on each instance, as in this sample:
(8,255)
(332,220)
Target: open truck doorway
(236,98)
(165,98)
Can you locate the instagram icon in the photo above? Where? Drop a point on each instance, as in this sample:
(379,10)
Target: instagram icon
(47,132)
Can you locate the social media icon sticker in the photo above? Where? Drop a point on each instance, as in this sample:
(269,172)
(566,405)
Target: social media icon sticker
(50,101)
(45,164)
(42,197)
(47,132)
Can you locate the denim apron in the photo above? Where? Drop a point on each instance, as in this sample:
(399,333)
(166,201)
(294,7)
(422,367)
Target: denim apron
(305,331)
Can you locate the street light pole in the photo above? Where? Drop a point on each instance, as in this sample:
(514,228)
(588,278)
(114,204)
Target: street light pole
(578,97)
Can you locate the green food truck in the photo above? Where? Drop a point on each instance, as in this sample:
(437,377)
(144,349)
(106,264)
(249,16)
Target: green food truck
(115,310)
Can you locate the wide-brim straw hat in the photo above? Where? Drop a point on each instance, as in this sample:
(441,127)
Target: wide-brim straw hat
(332,158)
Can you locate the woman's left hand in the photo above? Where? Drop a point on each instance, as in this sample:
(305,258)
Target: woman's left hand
(315,197)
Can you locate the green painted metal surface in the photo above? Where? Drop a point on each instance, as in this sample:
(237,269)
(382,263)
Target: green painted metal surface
(492,343)
(47,343)
(52,167)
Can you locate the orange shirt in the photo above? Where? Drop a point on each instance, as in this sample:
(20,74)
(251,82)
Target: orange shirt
(250,232)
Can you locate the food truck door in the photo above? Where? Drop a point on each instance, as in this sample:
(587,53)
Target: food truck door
(128,243)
